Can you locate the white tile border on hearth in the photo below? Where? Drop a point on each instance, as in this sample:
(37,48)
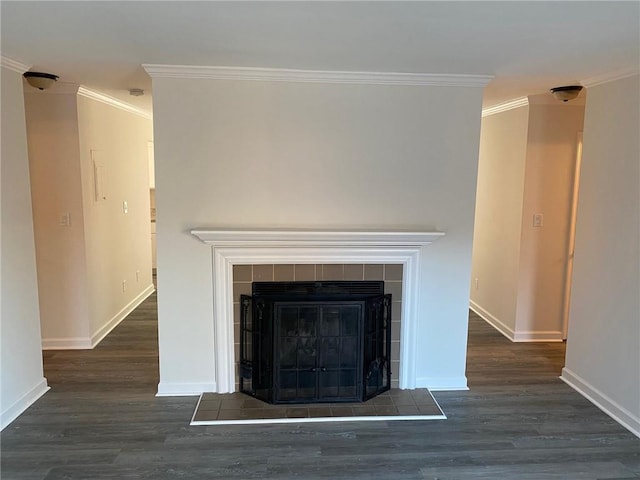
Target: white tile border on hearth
(363,418)
(367,418)
(245,247)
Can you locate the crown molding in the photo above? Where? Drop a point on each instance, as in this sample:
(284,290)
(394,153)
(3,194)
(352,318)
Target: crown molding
(315,76)
(610,76)
(114,102)
(13,65)
(503,107)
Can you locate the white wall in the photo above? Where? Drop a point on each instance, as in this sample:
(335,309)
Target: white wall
(81,267)
(117,244)
(22,381)
(498,216)
(260,154)
(54,158)
(603,347)
(527,165)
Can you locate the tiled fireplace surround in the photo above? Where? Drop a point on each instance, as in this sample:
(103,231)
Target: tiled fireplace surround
(244,275)
(394,255)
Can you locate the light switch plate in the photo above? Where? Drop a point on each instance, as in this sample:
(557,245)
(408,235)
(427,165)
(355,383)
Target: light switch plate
(538,220)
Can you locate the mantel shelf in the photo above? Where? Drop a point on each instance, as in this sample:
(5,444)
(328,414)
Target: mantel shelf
(237,236)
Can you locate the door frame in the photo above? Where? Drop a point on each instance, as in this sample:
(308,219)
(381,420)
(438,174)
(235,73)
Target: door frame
(571,241)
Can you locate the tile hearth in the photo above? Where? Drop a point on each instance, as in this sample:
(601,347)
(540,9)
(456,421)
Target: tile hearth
(238,408)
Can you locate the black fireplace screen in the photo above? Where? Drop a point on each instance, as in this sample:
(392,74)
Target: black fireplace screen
(308,342)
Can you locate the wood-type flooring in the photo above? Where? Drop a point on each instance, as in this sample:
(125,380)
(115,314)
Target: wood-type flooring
(101,420)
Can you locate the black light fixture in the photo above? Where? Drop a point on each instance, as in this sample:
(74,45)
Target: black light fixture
(40,80)
(566,93)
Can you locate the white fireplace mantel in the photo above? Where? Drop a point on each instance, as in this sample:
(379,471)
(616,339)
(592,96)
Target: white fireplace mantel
(224,236)
(232,246)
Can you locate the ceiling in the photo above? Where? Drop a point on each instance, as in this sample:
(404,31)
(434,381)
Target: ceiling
(528,46)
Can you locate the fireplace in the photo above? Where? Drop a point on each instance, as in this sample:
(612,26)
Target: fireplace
(231,247)
(314,342)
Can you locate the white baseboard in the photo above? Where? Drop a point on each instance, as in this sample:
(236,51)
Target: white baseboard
(70,343)
(542,336)
(86,343)
(515,336)
(97,337)
(620,414)
(169,389)
(491,320)
(435,384)
(24,402)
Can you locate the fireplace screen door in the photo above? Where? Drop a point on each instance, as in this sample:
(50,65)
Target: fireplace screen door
(324,342)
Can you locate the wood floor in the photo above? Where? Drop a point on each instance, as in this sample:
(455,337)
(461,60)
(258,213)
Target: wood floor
(101,420)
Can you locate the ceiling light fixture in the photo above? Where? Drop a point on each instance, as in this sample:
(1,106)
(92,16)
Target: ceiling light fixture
(40,80)
(566,93)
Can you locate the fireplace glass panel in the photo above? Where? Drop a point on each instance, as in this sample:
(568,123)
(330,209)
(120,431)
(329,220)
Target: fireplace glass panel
(377,346)
(308,321)
(307,355)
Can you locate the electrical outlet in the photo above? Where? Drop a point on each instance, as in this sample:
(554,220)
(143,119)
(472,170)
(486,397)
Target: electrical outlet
(124,286)
(125,207)
(477,283)
(137,275)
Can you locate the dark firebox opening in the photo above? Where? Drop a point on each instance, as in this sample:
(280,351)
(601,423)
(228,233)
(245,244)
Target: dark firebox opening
(315,342)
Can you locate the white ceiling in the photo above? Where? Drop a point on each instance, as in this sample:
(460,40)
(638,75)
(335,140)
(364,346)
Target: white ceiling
(528,46)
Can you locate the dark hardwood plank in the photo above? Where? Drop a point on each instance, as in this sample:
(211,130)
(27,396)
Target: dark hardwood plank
(101,420)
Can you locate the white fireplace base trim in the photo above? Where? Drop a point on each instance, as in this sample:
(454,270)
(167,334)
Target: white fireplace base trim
(369,418)
(447,384)
(246,247)
(171,389)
